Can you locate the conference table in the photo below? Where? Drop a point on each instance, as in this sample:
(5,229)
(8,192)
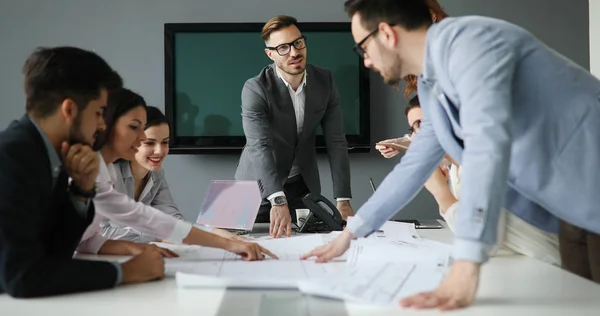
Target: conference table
(510,285)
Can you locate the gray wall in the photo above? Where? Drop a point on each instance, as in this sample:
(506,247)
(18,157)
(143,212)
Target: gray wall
(129,34)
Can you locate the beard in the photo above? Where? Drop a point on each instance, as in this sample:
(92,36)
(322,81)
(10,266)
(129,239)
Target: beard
(395,72)
(394,82)
(76,135)
(291,69)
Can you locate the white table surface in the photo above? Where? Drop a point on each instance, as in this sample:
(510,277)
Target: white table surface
(510,285)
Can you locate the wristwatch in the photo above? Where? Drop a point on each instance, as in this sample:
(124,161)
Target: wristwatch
(278,200)
(89,194)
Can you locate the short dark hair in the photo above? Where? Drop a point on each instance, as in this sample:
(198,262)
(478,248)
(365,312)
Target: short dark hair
(408,14)
(155,117)
(55,74)
(412,103)
(277,23)
(119,102)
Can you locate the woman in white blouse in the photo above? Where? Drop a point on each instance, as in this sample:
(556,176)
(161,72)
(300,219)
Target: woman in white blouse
(514,234)
(125,119)
(143,180)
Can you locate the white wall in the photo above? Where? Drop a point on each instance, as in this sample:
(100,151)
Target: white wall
(595,37)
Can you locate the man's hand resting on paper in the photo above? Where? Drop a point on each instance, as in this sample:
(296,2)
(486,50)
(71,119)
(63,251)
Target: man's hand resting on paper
(456,291)
(281,221)
(333,249)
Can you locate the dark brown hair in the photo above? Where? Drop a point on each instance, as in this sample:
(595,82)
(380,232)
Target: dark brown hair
(119,102)
(53,75)
(277,23)
(155,117)
(409,14)
(412,103)
(437,14)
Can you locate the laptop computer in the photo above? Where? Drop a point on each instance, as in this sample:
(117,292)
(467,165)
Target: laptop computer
(231,205)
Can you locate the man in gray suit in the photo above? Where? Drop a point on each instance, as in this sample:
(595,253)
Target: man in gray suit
(521,120)
(281,109)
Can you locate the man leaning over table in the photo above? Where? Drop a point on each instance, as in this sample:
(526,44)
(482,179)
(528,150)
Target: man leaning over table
(494,98)
(282,107)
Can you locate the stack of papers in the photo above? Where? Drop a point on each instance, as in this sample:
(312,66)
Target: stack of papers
(389,265)
(380,284)
(209,267)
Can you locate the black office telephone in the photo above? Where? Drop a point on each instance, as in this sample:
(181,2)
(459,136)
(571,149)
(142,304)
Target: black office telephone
(323,215)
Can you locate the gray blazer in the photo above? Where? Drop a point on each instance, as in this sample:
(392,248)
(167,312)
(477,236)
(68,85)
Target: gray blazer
(523,122)
(156,193)
(272,141)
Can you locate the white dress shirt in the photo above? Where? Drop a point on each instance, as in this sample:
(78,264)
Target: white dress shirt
(298,100)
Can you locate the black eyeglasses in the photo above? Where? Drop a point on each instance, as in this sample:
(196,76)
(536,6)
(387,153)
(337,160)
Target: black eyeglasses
(415,126)
(285,48)
(358,46)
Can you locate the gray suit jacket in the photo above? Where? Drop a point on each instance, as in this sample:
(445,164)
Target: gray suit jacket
(156,193)
(523,122)
(272,141)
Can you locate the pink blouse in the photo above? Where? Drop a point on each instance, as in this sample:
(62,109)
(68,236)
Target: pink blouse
(121,209)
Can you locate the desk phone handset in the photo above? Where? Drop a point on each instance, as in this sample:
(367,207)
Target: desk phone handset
(323,216)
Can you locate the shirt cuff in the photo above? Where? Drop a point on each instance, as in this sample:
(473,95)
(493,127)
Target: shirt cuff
(80,206)
(469,250)
(119,273)
(276,194)
(359,228)
(180,231)
(342,199)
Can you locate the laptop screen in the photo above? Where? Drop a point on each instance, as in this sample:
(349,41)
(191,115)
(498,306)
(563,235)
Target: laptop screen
(230,204)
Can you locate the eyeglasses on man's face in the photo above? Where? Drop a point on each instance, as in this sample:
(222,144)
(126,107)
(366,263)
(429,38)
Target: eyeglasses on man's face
(286,48)
(358,47)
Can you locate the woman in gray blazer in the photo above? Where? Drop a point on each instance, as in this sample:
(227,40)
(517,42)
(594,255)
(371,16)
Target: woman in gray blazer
(143,180)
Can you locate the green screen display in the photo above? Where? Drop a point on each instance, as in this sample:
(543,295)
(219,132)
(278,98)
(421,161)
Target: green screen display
(210,69)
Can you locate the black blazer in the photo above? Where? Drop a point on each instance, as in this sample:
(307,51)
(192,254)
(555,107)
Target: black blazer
(39,227)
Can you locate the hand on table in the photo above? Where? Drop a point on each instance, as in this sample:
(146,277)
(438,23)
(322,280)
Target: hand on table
(457,290)
(281,221)
(147,266)
(332,250)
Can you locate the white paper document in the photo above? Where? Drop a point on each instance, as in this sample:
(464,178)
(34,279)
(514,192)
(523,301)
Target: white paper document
(367,252)
(255,274)
(289,248)
(210,267)
(382,284)
(395,231)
